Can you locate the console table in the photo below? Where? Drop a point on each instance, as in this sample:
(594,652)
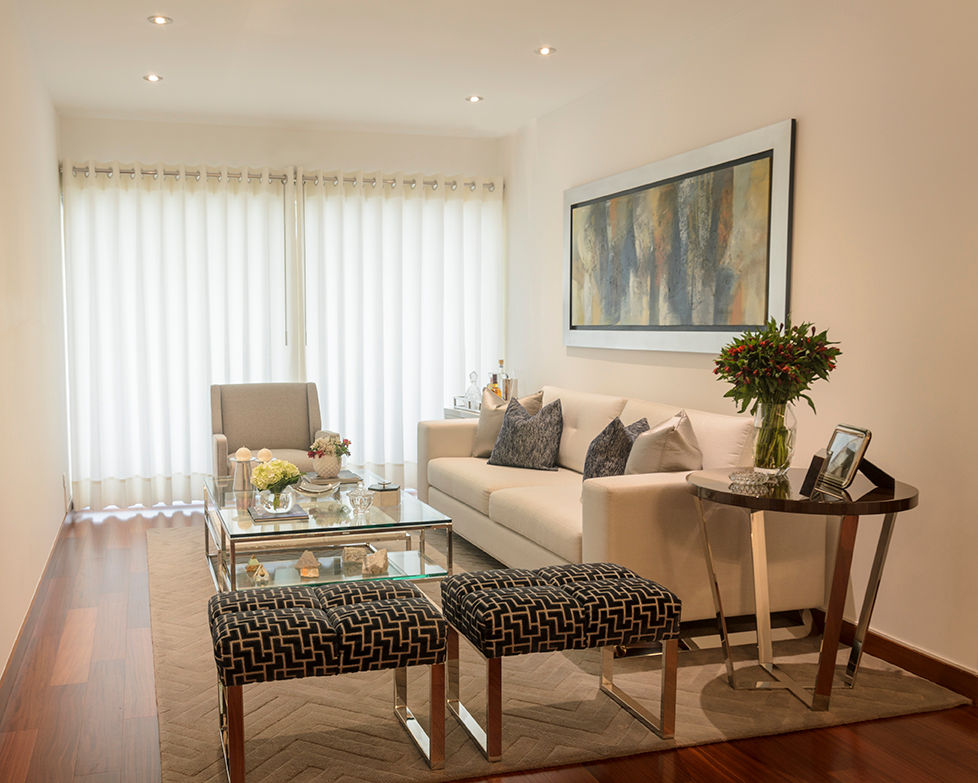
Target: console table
(714,486)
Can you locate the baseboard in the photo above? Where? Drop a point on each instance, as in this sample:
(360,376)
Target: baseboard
(945,674)
(22,642)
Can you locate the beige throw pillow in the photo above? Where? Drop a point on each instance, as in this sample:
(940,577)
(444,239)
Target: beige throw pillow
(668,447)
(491,419)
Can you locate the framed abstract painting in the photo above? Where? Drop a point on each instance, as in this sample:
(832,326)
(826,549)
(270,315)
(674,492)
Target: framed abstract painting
(685,253)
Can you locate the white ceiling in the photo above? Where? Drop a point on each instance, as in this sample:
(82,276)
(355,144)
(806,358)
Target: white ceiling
(396,65)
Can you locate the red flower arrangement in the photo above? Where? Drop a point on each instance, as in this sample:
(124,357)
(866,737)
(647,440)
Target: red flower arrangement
(777,364)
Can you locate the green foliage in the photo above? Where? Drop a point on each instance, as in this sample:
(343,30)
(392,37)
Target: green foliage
(776,364)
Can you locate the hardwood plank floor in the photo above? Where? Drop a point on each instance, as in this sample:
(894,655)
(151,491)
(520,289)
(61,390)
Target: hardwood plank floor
(78,703)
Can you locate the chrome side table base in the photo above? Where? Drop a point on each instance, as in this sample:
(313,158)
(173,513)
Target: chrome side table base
(819,700)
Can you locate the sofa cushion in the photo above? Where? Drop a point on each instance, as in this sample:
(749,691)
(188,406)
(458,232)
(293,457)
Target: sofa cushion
(585,415)
(471,480)
(491,419)
(724,439)
(667,448)
(608,453)
(548,516)
(527,441)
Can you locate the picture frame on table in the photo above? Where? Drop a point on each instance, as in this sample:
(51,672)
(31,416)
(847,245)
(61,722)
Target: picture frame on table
(684,253)
(843,456)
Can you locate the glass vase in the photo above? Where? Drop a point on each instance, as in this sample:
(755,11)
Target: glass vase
(775,426)
(276,502)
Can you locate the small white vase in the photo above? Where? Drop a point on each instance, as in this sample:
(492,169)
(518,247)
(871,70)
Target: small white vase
(327,466)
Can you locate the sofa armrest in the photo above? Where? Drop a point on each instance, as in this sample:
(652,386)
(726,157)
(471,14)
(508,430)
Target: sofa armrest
(221,467)
(324,433)
(649,523)
(442,438)
(623,517)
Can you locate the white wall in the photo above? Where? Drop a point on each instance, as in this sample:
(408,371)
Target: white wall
(33,455)
(885,250)
(85,138)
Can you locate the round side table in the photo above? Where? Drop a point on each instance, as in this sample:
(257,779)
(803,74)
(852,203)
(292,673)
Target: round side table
(714,486)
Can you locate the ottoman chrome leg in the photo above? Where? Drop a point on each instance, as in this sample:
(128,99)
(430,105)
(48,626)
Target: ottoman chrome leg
(432,744)
(230,706)
(490,741)
(665,724)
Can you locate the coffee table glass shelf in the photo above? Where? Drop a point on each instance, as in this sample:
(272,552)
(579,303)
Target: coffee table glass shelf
(231,537)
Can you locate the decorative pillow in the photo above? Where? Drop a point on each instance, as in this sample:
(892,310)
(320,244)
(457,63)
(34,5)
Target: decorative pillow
(527,441)
(670,446)
(491,419)
(608,452)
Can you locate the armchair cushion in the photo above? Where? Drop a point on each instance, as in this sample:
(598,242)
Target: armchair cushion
(272,415)
(282,417)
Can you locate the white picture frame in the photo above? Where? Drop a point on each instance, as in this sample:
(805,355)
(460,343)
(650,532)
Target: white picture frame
(774,143)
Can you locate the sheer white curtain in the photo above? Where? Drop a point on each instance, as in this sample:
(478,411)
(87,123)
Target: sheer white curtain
(172,283)
(404,297)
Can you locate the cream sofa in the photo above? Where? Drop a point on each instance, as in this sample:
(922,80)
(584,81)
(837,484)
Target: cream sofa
(648,522)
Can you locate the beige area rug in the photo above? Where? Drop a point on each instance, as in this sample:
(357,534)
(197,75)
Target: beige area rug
(342,728)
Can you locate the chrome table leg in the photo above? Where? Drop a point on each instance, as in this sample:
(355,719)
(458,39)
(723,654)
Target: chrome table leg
(833,613)
(715,591)
(762,599)
(869,601)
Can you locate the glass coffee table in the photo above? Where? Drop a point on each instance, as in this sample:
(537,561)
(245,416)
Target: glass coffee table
(231,537)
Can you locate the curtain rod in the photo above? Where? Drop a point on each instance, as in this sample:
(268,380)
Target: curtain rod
(315,179)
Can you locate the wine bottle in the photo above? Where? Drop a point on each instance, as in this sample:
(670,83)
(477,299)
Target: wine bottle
(494,385)
(503,381)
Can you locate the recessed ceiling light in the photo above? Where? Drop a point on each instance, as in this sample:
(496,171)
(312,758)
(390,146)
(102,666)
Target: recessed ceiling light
(153,77)
(159,19)
(546,51)
(474,98)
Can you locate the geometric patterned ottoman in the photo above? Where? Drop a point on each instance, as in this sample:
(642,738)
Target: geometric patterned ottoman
(282,633)
(514,611)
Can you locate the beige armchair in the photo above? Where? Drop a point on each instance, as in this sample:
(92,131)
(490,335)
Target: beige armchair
(282,417)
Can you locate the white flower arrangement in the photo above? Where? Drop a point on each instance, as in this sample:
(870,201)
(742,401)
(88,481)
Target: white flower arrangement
(275,475)
(332,445)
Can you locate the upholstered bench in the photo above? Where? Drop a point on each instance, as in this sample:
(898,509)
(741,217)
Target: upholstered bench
(515,611)
(281,633)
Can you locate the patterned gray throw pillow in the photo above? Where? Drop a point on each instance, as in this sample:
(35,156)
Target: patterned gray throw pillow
(608,453)
(527,441)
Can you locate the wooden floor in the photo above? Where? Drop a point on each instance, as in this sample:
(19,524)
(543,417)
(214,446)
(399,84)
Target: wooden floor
(78,704)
